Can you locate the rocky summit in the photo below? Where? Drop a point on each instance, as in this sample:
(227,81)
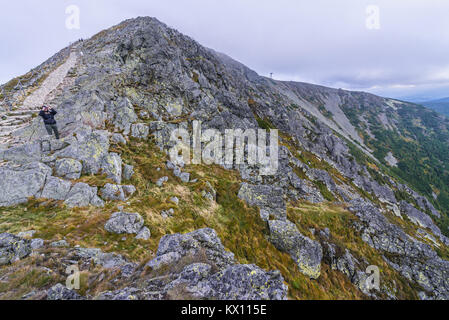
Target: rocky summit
(357,208)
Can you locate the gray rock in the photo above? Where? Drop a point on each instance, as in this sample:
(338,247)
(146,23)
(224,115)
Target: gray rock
(56,188)
(111,164)
(124,115)
(126,294)
(26,234)
(140,130)
(161,181)
(60,292)
(122,222)
(415,260)
(98,257)
(268,198)
(18,183)
(36,244)
(82,195)
(117,193)
(243,282)
(118,138)
(90,148)
(23,154)
(185,177)
(168,213)
(164,260)
(128,172)
(175,200)
(306,253)
(419,218)
(209,192)
(60,244)
(144,234)
(13,248)
(191,244)
(112,192)
(68,168)
(129,190)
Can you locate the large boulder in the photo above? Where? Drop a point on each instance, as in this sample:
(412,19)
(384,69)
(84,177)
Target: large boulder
(124,115)
(203,241)
(89,147)
(83,195)
(18,183)
(305,252)
(56,188)
(268,198)
(25,153)
(235,282)
(419,218)
(68,168)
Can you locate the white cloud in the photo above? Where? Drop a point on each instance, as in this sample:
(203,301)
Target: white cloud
(323,41)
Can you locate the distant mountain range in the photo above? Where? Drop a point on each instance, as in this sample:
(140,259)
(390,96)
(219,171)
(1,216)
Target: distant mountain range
(440,105)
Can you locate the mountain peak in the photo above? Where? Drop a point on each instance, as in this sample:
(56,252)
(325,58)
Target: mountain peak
(361,181)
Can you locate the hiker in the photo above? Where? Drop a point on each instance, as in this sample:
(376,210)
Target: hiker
(48,114)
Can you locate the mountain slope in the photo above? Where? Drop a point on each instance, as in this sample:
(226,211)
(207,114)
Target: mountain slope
(440,105)
(336,205)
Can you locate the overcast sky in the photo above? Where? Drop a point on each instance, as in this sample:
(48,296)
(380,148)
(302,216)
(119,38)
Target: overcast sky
(405,52)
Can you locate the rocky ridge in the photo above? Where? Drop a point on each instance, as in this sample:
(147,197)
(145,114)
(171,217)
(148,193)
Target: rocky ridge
(140,80)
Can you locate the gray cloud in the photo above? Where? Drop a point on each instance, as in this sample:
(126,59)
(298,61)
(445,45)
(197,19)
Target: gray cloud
(324,42)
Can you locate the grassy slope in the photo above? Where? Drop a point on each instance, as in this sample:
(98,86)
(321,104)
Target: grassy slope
(239,227)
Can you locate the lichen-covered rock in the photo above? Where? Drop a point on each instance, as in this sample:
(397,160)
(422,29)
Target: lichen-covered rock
(144,234)
(306,253)
(56,188)
(116,192)
(124,115)
(13,248)
(415,260)
(192,244)
(419,218)
(128,172)
(122,295)
(60,292)
(123,222)
(60,244)
(23,154)
(268,198)
(83,195)
(140,130)
(98,257)
(19,182)
(236,282)
(111,165)
(118,138)
(90,148)
(68,168)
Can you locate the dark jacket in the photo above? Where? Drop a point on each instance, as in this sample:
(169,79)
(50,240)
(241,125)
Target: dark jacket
(49,117)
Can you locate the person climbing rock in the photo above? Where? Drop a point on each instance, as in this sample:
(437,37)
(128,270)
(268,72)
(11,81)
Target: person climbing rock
(48,114)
